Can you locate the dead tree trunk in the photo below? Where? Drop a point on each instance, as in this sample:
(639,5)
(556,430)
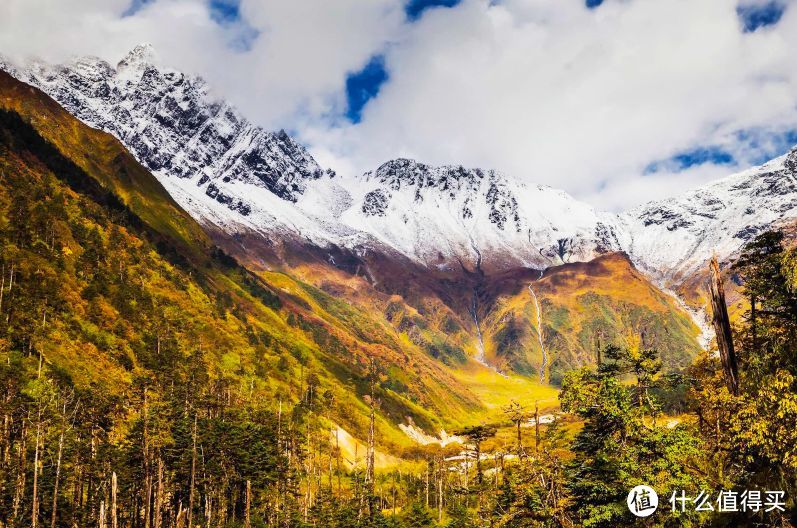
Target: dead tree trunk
(428,469)
(368,480)
(2,286)
(35,507)
(247,518)
(19,490)
(193,478)
(147,474)
(440,474)
(753,322)
(337,458)
(57,479)
(369,463)
(114,510)
(159,496)
(722,327)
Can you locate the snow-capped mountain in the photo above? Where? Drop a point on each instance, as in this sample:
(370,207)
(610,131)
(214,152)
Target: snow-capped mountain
(435,213)
(236,176)
(677,235)
(239,178)
(173,125)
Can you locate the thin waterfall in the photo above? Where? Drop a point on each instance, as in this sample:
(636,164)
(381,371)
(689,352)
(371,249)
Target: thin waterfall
(539,331)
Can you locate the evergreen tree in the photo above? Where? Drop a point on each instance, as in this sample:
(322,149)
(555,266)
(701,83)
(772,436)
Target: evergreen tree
(618,448)
(417,516)
(461,517)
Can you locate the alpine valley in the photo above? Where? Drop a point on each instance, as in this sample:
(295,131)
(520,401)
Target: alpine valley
(464,244)
(167,233)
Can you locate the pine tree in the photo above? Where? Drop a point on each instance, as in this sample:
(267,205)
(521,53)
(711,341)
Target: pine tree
(417,516)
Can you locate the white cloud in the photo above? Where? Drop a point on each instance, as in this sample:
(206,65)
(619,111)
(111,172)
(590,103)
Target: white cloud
(547,91)
(579,99)
(296,67)
(633,189)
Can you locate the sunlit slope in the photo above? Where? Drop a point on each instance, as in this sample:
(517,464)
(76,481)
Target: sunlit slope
(425,324)
(130,289)
(107,161)
(604,300)
(497,390)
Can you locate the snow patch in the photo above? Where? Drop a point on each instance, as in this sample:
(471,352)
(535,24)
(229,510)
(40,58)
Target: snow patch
(420,437)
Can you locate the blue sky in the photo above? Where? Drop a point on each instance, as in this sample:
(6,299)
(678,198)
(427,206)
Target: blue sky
(415,8)
(225,10)
(221,10)
(135,6)
(755,16)
(755,146)
(680,161)
(363,86)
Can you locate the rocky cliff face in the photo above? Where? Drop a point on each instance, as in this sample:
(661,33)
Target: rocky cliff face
(172,124)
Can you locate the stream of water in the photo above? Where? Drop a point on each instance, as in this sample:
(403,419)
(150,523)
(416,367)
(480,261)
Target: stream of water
(539,331)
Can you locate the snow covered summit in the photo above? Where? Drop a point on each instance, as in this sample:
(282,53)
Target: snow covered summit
(239,178)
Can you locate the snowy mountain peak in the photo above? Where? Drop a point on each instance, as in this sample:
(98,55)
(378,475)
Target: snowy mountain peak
(451,183)
(136,63)
(142,55)
(401,172)
(238,177)
(174,126)
(674,237)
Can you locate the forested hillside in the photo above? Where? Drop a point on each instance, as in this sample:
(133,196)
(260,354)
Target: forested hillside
(572,310)
(148,380)
(127,339)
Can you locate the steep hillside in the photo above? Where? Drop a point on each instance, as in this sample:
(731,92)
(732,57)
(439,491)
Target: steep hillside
(422,245)
(107,162)
(113,284)
(555,321)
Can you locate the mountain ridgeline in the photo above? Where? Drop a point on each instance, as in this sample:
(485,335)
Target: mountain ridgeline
(242,181)
(447,240)
(200,325)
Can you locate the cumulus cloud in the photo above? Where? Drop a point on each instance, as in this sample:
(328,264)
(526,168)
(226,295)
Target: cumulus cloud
(547,91)
(295,67)
(582,99)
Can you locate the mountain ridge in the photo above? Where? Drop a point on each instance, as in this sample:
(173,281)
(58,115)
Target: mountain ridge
(239,178)
(440,235)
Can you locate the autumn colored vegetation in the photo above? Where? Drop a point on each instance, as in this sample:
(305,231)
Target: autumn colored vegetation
(147,380)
